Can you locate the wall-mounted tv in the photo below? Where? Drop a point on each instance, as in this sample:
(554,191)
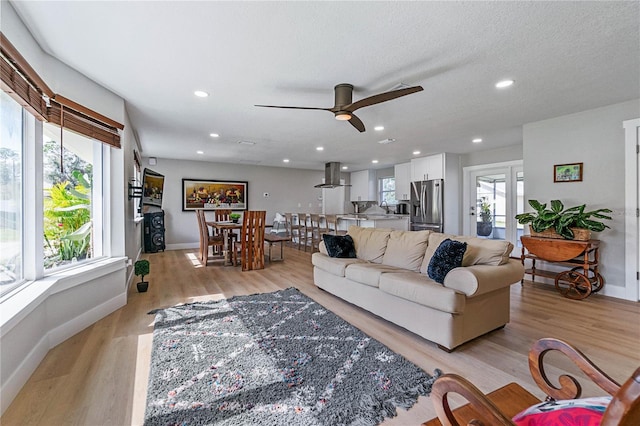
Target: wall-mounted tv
(152,188)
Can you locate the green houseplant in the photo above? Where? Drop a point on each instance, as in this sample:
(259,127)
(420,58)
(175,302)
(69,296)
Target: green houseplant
(485,226)
(234,217)
(141,268)
(563,221)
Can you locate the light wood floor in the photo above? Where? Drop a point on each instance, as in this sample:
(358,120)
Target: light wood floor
(99,376)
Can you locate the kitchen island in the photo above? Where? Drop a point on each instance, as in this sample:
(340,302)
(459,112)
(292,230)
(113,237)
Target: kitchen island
(389,221)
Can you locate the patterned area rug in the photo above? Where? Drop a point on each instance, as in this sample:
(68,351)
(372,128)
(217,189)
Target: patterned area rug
(273,359)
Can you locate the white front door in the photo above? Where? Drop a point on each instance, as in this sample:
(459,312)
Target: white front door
(494,194)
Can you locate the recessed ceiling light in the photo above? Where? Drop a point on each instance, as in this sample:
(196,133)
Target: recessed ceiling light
(214,135)
(319,148)
(477,140)
(199,152)
(246,142)
(504,83)
(344,167)
(378,128)
(286,160)
(374,161)
(416,152)
(201,93)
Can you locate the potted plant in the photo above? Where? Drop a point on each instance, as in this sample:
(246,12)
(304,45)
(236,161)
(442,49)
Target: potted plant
(234,217)
(558,222)
(485,226)
(142,269)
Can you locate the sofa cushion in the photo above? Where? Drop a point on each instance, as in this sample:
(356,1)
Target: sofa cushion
(368,273)
(339,245)
(405,249)
(333,265)
(421,289)
(447,256)
(370,243)
(480,251)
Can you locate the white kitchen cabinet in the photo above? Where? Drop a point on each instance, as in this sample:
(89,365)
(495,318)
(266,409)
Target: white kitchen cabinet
(427,168)
(364,186)
(402,174)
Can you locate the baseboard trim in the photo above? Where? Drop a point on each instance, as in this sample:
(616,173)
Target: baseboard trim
(182,246)
(49,340)
(79,323)
(16,381)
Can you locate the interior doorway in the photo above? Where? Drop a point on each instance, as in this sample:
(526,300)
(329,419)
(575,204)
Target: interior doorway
(494,194)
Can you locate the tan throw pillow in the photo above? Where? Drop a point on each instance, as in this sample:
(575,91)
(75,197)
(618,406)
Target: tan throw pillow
(405,249)
(370,243)
(480,251)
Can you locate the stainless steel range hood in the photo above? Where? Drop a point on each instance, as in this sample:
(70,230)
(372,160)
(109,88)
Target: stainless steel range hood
(331,176)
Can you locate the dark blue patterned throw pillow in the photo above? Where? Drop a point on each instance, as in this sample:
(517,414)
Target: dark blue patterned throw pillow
(447,256)
(339,245)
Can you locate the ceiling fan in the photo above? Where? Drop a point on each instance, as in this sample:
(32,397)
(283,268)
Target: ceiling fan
(344,107)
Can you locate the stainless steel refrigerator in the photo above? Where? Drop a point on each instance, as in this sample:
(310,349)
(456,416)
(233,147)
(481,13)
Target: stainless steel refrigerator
(427,205)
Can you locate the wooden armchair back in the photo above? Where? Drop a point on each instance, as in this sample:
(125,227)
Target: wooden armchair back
(623,410)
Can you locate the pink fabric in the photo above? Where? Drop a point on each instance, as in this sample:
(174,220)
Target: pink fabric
(573,412)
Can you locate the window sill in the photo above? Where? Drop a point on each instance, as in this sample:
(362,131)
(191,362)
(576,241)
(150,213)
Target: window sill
(16,305)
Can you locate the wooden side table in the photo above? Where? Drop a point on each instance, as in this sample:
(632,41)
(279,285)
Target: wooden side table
(510,399)
(582,257)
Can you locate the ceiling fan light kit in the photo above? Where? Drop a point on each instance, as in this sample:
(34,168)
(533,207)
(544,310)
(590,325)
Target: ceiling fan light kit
(344,107)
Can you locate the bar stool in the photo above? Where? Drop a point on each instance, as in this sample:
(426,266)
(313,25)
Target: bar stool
(332,224)
(294,229)
(305,230)
(316,231)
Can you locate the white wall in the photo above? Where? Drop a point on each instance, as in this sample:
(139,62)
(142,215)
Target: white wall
(290,190)
(595,138)
(132,231)
(490,156)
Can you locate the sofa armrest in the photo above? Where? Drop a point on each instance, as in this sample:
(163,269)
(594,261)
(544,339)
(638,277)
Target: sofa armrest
(480,279)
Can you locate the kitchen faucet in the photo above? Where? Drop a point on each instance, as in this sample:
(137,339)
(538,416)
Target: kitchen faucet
(384,204)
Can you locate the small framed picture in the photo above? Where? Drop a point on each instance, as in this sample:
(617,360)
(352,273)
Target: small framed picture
(567,172)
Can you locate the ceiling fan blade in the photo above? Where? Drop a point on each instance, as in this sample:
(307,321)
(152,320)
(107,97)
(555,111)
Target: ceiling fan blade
(382,97)
(293,107)
(357,123)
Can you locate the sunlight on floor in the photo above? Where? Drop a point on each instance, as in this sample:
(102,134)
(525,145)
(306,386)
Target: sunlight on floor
(206,298)
(143,362)
(194,260)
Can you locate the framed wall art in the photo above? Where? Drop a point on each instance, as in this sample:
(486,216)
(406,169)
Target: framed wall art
(213,194)
(567,172)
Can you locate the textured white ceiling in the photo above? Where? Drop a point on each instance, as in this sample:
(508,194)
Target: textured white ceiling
(565,57)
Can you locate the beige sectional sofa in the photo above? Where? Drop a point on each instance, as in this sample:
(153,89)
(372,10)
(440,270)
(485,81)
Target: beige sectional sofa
(389,278)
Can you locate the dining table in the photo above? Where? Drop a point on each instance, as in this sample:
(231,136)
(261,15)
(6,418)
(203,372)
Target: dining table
(227,228)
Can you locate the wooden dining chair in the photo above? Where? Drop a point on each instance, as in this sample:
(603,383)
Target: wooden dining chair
(206,239)
(224,215)
(252,240)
